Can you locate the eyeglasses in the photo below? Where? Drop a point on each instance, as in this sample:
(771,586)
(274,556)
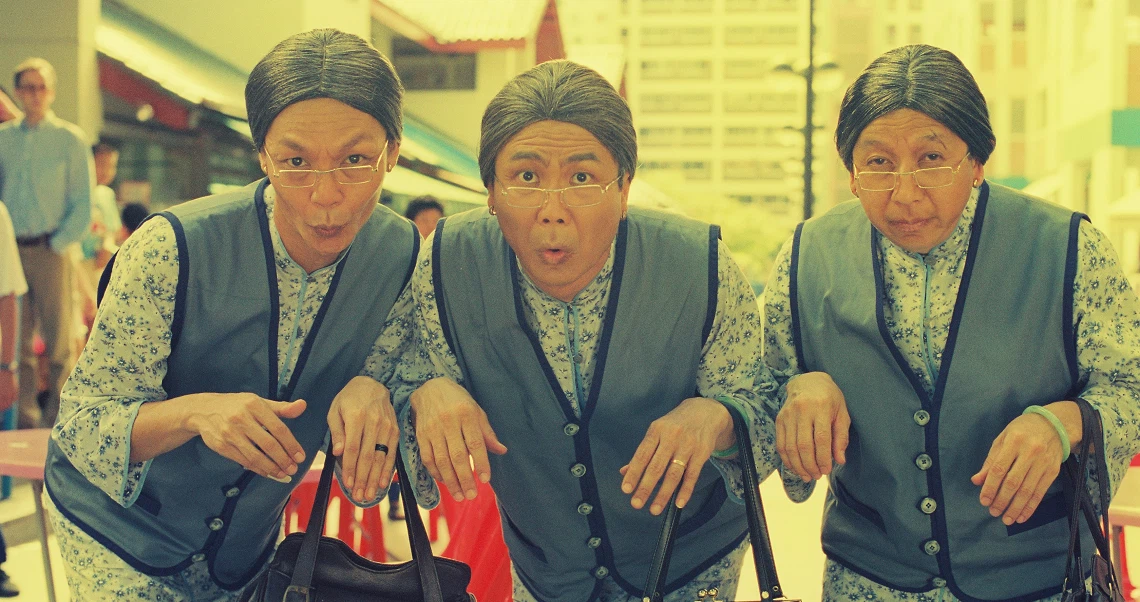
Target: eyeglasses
(586,195)
(930,177)
(307,178)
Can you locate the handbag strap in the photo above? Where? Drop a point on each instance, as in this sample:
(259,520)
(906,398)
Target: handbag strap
(417,536)
(757,526)
(1097,521)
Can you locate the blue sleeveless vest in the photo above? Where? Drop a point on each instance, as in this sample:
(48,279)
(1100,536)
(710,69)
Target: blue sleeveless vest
(195,504)
(902,511)
(565,520)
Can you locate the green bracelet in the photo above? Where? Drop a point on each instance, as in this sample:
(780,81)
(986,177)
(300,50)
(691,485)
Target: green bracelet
(720,455)
(1053,420)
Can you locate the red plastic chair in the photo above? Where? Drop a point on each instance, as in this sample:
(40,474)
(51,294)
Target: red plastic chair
(365,537)
(476,538)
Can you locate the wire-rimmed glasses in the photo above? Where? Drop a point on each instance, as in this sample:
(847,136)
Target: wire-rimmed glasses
(307,178)
(928,177)
(585,195)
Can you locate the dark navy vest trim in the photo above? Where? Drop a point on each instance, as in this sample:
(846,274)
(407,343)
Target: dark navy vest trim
(311,337)
(603,554)
(135,563)
(105,279)
(1053,507)
(183,278)
(437,282)
(714,282)
(526,580)
(1067,329)
(839,490)
(608,321)
(682,580)
(274,302)
(881,319)
(934,476)
(794,296)
(834,556)
(415,255)
(536,346)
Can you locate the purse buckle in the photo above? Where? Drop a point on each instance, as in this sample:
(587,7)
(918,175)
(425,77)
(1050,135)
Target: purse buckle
(296,593)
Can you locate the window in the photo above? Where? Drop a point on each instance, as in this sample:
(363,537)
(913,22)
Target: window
(986,56)
(1017,116)
(761,35)
(741,6)
(1018,55)
(749,136)
(1019,10)
(656,136)
(746,68)
(420,69)
(676,69)
(916,4)
(697,170)
(700,136)
(697,6)
(760,102)
(656,6)
(915,34)
(988,15)
(892,36)
(676,103)
(676,36)
(753,170)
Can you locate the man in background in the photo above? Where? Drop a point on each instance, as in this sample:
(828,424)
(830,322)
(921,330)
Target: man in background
(424,211)
(46,182)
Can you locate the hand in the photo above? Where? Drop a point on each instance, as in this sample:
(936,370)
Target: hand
(248,430)
(453,432)
(813,426)
(1024,461)
(361,416)
(9,389)
(676,446)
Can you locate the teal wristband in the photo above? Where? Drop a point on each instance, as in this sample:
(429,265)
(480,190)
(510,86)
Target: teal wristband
(1053,420)
(720,455)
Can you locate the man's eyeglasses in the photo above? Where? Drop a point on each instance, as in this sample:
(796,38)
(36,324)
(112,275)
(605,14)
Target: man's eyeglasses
(929,177)
(307,178)
(586,195)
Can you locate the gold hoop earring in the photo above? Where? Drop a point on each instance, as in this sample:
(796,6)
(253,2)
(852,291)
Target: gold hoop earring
(491,209)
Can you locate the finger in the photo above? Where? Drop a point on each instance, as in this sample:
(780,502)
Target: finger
(460,458)
(1024,495)
(821,435)
(253,459)
(389,465)
(427,456)
(353,433)
(674,472)
(270,448)
(446,471)
(652,475)
(271,421)
(997,463)
(641,457)
(492,440)
(805,448)
(841,434)
(473,436)
(368,462)
(1010,483)
(689,484)
(782,440)
(336,434)
(1048,476)
(791,452)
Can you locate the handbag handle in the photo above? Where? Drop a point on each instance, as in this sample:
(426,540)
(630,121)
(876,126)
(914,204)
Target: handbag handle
(757,526)
(417,536)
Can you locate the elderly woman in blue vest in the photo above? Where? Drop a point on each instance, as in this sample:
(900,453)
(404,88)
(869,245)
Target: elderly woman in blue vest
(237,334)
(600,343)
(958,319)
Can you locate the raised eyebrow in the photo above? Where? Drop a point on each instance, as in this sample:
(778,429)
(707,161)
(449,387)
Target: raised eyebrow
(580,157)
(300,148)
(529,156)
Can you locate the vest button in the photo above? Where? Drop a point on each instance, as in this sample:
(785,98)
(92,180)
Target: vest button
(938,582)
(923,461)
(928,505)
(232,492)
(570,429)
(931,547)
(585,508)
(216,524)
(594,542)
(199,557)
(601,572)
(921,417)
(578,470)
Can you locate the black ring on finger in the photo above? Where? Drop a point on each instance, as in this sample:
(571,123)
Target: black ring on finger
(380,447)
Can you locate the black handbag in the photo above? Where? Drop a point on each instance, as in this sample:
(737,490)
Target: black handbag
(308,567)
(770,590)
(1105,583)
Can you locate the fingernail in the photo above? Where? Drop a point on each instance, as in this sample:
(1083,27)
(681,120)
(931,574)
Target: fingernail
(299,457)
(806,479)
(279,480)
(348,482)
(471,493)
(638,503)
(626,488)
(1007,520)
(457,496)
(486,478)
(359,495)
(655,509)
(987,501)
(994,512)
(292,469)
